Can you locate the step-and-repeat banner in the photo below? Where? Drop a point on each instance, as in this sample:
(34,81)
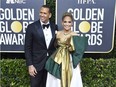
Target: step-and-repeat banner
(94,19)
(15,15)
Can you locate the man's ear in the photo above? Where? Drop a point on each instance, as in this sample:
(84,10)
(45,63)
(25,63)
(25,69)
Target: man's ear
(50,15)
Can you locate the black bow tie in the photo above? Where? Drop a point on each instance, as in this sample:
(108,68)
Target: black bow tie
(45,26)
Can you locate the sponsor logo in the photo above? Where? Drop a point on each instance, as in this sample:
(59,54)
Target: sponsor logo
(15,1)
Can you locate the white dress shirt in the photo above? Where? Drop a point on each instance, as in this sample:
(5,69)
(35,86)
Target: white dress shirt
(47,34)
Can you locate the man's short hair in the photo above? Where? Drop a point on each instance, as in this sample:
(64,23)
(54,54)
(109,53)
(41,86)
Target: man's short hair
(46,6)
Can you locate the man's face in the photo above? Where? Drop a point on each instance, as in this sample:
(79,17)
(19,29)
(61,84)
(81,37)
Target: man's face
(44,14)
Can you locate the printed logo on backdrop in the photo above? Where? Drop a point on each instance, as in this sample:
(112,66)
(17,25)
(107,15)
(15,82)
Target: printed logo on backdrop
(94,19)
(15,15)
(15,1)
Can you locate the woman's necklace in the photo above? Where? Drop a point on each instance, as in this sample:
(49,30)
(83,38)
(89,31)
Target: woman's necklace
(66,33)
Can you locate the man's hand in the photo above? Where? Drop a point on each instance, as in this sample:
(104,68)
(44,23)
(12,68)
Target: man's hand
(32,70)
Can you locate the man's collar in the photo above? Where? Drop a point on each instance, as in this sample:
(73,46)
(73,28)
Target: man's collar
(44,23)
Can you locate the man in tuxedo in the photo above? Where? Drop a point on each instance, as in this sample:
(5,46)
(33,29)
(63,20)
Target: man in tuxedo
(39,45)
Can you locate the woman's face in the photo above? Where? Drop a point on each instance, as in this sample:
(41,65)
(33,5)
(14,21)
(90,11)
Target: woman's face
(67,23)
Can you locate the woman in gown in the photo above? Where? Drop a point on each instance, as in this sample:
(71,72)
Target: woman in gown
(61,70)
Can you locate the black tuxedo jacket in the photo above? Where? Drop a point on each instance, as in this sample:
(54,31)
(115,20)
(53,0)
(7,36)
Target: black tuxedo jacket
(35,45)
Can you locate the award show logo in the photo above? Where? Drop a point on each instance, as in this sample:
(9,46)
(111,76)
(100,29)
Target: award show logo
(14,26)
(16,1)
(92,19)
(90,23)
(15,16)
(86,1)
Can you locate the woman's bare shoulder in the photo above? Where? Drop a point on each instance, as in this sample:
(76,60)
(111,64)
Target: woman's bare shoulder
(59,32)
(74,33)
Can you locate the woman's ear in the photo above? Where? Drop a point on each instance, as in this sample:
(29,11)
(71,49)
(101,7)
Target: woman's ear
(62,23)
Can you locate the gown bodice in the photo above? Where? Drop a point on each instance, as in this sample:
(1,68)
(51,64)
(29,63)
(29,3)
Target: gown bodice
(62,56)
(63,41)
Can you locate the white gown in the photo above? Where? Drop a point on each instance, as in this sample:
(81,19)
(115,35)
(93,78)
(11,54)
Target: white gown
(75,82)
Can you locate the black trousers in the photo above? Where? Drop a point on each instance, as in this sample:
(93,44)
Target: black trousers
(40,79)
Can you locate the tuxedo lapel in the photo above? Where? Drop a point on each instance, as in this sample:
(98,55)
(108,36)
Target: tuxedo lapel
(40,33)
(53,35)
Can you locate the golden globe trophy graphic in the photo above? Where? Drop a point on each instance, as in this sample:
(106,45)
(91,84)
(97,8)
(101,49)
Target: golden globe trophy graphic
(16,26)
(84,26)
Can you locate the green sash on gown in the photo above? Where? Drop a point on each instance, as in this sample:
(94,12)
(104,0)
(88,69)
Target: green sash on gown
(80,44)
